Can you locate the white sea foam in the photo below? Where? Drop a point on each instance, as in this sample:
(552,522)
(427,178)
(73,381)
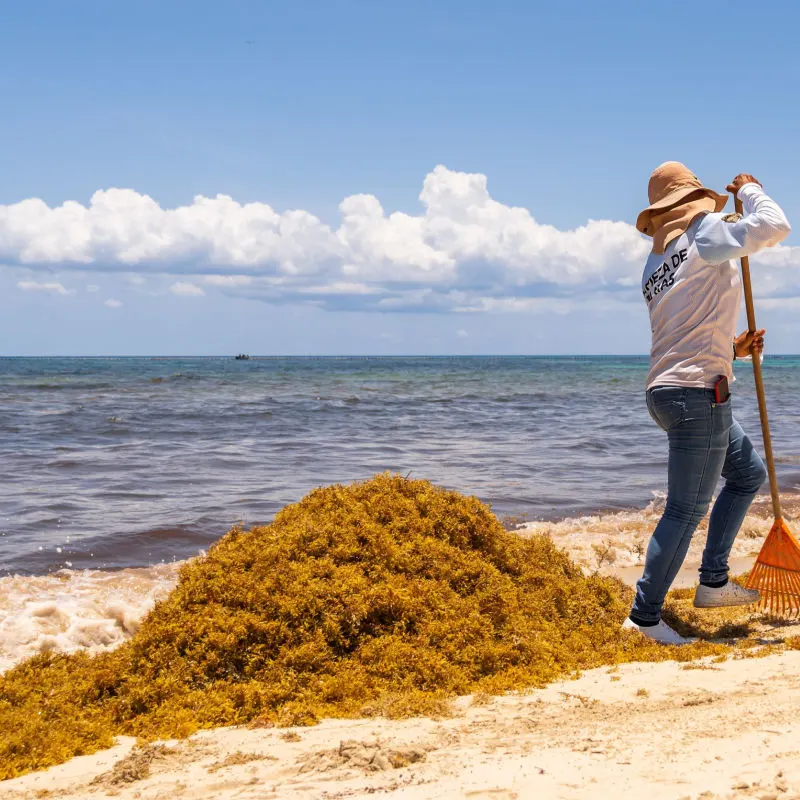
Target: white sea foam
(619,539)
(73,610)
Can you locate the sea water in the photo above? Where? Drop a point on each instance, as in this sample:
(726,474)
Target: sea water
(112,470)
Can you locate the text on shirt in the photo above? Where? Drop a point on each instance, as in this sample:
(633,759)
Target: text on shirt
(664,276)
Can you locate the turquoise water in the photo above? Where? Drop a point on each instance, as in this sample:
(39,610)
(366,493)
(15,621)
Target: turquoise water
(126,462)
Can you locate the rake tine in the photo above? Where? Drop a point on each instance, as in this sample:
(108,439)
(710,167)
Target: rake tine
(772,594)
(778,588)
(795,585)
(776,573)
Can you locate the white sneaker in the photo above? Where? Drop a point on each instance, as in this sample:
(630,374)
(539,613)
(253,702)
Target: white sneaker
(731,594)
(661,633)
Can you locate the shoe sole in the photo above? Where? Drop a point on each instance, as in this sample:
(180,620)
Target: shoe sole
(658,641)
(671,644)
(732,604)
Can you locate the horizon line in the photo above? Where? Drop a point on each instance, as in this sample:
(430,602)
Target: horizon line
(254,357)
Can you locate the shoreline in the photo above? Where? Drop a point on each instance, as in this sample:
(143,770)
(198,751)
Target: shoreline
(513,522)
(687,575)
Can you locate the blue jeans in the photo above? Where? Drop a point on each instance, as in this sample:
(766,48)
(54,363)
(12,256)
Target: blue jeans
(705,441)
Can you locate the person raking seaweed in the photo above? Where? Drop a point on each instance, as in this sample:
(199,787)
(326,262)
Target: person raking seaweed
(693,293)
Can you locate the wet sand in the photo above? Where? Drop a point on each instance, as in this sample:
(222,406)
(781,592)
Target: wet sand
(686,578)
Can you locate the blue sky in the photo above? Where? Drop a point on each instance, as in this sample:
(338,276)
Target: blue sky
(331,119)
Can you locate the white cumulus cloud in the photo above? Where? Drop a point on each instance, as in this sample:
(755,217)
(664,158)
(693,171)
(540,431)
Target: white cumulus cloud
(186,289)
(112,303)
(123,229)
(33,286)
(463,251)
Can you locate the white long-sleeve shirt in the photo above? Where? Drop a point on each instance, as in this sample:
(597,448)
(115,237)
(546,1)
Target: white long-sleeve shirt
(693,291)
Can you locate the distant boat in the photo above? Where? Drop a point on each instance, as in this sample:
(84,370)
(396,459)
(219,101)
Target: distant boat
(243,357)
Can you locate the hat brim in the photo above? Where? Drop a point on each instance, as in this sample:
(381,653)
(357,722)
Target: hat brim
(675,198)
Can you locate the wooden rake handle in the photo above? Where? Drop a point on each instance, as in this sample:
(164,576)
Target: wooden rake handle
(762,400)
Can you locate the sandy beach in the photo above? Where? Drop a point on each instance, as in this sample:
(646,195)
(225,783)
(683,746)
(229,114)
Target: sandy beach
(667,730)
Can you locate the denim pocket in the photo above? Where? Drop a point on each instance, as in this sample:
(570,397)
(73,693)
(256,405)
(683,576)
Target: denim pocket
(667,406)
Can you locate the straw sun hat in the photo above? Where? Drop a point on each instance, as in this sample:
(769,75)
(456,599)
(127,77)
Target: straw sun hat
(676,198)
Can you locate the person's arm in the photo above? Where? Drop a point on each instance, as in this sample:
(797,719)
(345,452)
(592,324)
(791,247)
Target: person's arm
(763,225)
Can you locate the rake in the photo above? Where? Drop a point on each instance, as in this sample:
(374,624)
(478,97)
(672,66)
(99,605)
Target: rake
(776,573)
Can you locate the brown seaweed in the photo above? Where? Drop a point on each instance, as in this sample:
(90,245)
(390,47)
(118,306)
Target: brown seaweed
(388,596)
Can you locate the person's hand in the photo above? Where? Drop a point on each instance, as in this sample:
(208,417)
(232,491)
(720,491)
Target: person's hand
(749,343)
(740,180)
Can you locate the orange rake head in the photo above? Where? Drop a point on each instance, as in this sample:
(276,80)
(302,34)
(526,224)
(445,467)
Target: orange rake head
(776,573)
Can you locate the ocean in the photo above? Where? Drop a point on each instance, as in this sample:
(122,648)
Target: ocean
(115,469)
